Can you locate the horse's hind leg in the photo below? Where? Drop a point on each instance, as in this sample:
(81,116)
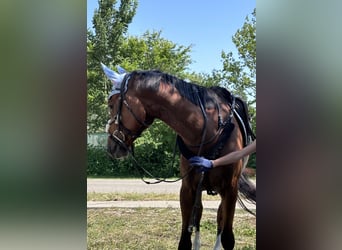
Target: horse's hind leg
(225,220)
(219,229)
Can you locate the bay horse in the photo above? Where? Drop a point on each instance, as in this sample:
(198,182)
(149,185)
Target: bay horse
(205,120)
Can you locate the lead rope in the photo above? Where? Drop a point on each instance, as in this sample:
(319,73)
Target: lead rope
(205,119)
(197,205)
(158,180)
(143,171)
(198,198)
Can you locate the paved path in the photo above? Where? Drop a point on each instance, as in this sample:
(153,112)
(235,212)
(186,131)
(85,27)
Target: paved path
(138,186)
(157,204)
(130,186)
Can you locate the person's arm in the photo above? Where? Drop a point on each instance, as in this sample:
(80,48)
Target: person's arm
(235,156)
(206,164)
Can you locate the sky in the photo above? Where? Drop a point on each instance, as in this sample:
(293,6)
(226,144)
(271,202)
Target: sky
(207,25)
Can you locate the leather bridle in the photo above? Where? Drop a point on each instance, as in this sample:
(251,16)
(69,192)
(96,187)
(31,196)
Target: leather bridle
(120,134)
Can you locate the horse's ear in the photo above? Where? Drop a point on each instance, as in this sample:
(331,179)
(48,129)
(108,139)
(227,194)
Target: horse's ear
(121,70)
(115,78)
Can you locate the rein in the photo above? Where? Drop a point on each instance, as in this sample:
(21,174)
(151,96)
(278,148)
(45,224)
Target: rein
(205,118)
(143,170)
(221,124)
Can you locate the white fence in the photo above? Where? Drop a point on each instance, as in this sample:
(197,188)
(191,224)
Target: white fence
(97,139)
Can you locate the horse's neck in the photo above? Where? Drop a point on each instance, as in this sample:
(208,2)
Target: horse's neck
(185,118)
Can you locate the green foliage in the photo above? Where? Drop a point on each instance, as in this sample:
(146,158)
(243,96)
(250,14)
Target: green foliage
(252,161)
(239,75)
(155,154)
(152,51)
(155,149)
(98,162)
(110,23)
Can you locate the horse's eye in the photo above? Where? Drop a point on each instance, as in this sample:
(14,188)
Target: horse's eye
(110,106)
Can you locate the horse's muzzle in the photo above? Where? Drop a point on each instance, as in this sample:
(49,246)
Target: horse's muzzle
(116,149)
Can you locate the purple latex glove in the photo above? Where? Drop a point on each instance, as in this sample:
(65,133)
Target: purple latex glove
(201,162)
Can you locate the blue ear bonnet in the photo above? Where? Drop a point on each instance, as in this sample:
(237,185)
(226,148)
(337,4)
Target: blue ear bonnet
(115,78)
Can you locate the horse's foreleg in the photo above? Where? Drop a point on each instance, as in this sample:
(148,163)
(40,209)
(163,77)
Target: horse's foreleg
(218,242)
(197,240)
(197,218)
(187,201)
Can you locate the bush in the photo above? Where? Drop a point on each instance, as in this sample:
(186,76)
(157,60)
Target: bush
(157,161)
(252,161)
(98,163)
(153,152)
(155,158)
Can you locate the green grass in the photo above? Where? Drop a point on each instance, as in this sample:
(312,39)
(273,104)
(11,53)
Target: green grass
(158,228)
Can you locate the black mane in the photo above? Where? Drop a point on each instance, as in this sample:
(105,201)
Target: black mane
(191,91)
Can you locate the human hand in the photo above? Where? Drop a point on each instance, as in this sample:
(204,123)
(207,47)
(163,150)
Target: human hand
(201,162)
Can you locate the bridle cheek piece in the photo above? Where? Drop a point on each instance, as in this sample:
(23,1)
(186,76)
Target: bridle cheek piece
(117,134)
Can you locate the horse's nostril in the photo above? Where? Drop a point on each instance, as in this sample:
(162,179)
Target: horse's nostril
(110,155)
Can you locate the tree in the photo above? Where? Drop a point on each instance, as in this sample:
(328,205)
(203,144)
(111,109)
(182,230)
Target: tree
(239,74)
(110,24)
(152,51)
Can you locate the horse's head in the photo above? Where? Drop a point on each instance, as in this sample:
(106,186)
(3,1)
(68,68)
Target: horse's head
(128,116)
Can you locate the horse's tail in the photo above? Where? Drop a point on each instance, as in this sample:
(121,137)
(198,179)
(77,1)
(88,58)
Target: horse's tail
(247,192)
